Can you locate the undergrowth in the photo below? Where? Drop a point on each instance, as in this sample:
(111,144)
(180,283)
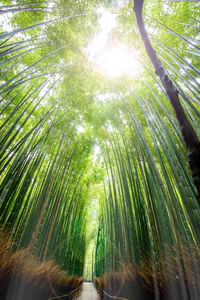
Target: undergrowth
(23,277)
(172,276)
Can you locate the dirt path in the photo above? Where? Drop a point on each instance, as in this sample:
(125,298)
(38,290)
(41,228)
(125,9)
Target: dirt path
(88,292)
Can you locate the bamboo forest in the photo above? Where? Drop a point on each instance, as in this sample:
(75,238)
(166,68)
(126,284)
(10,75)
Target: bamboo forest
(99,149)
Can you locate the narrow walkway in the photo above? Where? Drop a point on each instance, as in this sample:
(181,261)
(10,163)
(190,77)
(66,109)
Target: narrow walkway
(88,292)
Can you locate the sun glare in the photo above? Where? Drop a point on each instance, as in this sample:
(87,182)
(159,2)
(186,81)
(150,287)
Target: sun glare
(112,60)
(117,60)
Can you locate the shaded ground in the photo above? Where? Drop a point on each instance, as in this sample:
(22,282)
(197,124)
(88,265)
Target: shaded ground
(88,292)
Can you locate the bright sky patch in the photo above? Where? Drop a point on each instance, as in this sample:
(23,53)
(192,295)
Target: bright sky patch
(112,60)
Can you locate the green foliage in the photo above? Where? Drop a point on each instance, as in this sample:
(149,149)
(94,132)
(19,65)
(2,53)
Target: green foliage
(59,197)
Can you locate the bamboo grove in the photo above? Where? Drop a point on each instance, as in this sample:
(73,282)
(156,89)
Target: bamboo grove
(42,192)
(147,201)
(150,198)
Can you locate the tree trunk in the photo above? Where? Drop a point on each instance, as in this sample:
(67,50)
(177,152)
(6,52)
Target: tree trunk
(189,135)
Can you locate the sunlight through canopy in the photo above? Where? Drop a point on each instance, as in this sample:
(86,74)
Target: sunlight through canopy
(110,58)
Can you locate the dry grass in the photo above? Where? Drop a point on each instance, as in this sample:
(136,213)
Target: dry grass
(177,277)
(23,278)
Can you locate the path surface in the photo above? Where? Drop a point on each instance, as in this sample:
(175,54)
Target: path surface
(88,292)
